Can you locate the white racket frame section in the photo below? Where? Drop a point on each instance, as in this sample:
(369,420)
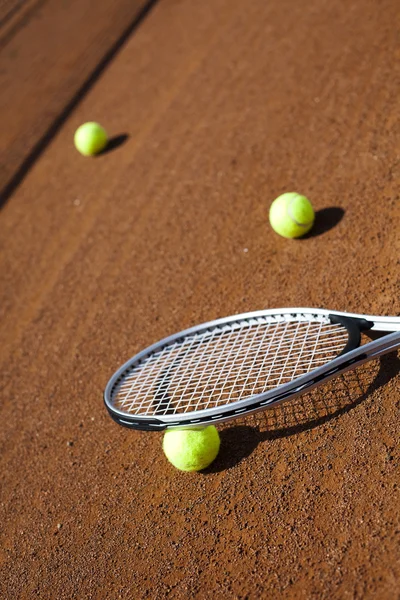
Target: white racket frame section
(259,402)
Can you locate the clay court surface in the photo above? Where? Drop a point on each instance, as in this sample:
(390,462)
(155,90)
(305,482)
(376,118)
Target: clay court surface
(222,106)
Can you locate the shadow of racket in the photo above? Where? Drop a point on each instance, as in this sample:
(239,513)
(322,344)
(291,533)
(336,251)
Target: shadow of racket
(239,438)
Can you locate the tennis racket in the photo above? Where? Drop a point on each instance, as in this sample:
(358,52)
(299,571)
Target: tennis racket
(242,364)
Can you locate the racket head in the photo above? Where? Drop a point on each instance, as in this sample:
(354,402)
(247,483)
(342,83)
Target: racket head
(226,368)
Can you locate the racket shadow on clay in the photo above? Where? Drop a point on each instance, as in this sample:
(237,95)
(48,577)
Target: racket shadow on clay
(240,439)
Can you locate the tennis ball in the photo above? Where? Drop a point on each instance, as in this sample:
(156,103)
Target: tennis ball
(191,449)
(291,215)
(90,138)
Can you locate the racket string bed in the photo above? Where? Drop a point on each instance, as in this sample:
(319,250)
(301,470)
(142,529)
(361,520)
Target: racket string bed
(225,364)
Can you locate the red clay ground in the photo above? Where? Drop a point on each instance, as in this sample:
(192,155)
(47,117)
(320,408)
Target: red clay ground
(48,50)
(226,106)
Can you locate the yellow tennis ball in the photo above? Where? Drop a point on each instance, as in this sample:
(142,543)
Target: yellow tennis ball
(291,215)
(90,138)
(191,449)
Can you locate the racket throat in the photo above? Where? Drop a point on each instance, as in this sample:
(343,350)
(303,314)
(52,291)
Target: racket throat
(354,328)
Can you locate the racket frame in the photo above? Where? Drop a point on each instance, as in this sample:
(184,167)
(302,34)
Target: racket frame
(352,355)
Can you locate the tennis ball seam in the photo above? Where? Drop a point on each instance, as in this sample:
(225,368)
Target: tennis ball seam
(289,212)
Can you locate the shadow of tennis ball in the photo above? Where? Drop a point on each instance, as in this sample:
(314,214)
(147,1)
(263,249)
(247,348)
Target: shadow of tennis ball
(325,219)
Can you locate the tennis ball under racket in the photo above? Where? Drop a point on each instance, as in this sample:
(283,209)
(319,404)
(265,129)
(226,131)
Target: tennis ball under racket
(291,215)
(90,138)
(191,449)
